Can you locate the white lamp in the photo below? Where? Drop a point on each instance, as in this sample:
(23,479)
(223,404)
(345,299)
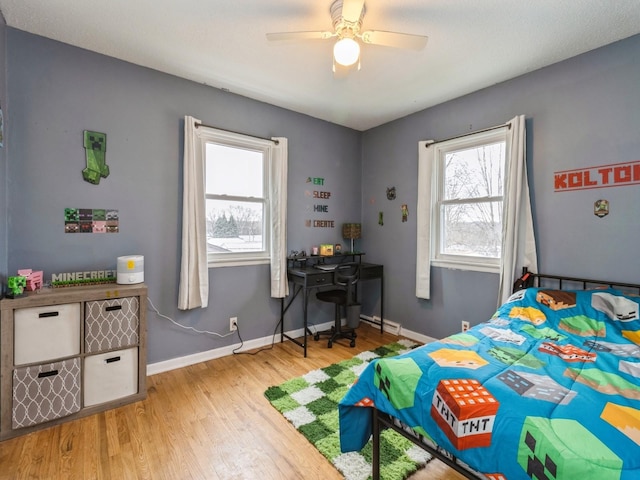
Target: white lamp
(346,51)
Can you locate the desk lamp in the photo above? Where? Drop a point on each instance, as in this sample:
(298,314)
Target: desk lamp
(351,231)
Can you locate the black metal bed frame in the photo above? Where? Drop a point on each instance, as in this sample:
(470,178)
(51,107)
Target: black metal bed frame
(529,279)
(383,420)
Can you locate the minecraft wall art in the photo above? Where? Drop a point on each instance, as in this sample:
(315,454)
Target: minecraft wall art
(95,146)
(88,220)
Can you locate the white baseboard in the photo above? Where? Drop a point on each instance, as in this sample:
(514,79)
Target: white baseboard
(174,363)
(395,328)
(158,367)
(418,337)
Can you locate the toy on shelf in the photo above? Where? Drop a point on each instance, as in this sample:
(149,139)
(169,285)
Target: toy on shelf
(15,286)
(33,279)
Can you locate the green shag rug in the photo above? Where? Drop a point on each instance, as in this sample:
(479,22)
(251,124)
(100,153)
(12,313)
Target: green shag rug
(310,403)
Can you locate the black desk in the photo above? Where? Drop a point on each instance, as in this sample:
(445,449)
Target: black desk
(305,278)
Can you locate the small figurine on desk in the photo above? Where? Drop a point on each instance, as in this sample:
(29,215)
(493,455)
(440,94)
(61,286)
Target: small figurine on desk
(15,286)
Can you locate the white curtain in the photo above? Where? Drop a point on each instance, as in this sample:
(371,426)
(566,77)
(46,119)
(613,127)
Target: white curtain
(423,215)
(278,205)
(518,239)
(194,273)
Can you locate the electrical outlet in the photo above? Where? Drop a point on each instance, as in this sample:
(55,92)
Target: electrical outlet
(233,324)
(465,326)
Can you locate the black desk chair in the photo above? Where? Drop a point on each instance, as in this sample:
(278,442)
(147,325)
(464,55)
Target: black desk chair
(346,275)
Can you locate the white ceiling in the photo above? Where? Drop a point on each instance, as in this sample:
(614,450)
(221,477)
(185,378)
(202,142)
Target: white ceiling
(472,44)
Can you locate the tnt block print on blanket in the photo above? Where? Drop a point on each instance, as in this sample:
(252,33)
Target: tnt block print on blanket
(465,411)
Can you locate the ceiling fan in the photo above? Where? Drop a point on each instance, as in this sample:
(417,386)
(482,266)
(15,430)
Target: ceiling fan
(347,16)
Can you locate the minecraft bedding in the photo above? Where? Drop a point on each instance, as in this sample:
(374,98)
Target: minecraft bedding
(549,388)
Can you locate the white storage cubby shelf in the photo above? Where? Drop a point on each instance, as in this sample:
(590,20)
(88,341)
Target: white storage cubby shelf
(70,352)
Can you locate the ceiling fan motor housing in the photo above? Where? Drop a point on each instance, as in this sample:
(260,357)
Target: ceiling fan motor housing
(343,27)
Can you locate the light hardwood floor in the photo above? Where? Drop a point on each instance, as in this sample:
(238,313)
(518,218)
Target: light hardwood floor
(206,421)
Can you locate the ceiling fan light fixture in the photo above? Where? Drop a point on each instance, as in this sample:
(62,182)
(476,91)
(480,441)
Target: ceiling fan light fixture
(346,51)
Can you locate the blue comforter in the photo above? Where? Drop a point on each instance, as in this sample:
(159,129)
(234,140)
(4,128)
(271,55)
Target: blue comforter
(549,388)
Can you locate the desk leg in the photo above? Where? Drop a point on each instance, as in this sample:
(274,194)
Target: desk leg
(305,300)
(283,311)
(282,319)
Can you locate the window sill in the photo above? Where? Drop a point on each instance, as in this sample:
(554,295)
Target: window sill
(238,262)
(474,267)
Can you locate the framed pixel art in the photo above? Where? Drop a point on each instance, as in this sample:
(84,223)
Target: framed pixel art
(88,220)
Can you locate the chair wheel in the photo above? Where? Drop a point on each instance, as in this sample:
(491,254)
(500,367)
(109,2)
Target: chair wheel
(330,344)
(352,343)
(316,337)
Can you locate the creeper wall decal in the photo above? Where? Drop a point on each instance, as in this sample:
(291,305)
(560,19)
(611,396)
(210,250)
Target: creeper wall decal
(95,145)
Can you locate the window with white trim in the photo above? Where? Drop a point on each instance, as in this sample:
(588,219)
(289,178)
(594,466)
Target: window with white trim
(237,197)
(467,203)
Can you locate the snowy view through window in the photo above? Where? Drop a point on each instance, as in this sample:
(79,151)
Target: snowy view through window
(471,208)
(236,200)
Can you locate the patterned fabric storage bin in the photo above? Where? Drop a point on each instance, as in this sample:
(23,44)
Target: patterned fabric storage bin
(109,376)
(46,333)
(45,392)
(111,324)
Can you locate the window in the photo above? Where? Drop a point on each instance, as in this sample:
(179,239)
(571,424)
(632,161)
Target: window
(469,174)
(237,197)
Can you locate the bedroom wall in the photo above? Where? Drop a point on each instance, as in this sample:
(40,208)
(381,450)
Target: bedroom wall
(56,91)
(3,154)
(580,113)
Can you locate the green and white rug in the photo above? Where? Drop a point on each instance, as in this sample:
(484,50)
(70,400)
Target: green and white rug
(310,403)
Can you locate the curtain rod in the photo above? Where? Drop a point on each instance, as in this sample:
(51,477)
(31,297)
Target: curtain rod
(238,133)
(433,142)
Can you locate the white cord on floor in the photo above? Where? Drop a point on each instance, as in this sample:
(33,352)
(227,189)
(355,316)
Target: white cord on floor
(184,326)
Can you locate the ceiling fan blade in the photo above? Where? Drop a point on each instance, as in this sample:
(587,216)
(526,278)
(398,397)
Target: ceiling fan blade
(393,39)
(296,36)
(352,9)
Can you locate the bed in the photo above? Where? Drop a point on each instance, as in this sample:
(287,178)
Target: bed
(548,388)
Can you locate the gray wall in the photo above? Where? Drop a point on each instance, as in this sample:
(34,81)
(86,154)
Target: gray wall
(580,113)
(3,156)
(56,91)
(583,112)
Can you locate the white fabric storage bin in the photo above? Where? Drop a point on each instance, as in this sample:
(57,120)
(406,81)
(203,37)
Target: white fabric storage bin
(109,376)
(46,333)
